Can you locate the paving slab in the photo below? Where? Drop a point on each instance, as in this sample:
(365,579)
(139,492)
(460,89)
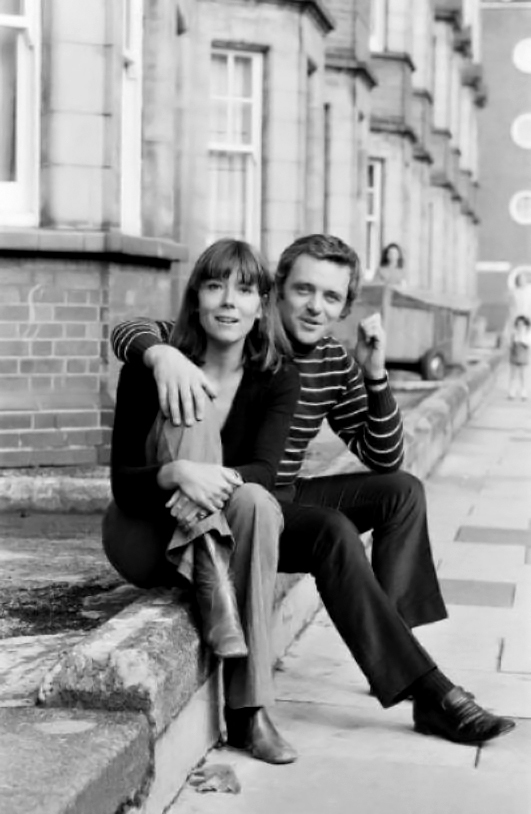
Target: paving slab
(511,755)
(494,535)
(340,784)
(482,562)
(477,592)
(503,693)
(57,761)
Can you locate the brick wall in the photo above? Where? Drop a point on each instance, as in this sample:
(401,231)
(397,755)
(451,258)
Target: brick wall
(56,399)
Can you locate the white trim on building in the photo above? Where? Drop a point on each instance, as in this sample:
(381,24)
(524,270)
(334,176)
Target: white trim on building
(235,145)
(374,222)
(131,124)
(20,53)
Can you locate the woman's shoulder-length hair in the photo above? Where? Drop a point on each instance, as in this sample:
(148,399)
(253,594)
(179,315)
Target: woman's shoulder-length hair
(266,346)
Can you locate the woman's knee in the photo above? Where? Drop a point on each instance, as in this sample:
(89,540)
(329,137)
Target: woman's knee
(252,499)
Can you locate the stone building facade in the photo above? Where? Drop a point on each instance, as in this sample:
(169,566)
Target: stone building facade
(136,132)
(505,156)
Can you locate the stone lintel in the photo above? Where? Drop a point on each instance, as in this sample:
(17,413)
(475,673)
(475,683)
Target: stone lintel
(423,93)
(395,125)
(463,41)
(342,61)
(449,11)
(316,8)
(472,75)
(442,131)
(395,56)
(420,153)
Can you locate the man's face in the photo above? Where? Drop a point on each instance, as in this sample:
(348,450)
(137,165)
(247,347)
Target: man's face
(314,296)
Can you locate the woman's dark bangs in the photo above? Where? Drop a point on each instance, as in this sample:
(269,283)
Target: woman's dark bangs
(243,262)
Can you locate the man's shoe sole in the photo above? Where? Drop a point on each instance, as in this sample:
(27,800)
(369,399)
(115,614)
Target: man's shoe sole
(424,729)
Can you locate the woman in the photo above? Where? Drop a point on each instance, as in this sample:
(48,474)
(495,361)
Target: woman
(190,499)
(391,269)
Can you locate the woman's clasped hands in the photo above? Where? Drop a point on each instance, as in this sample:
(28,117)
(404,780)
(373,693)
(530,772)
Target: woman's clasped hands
(201,489)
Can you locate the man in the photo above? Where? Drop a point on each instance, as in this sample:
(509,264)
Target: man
(373,608)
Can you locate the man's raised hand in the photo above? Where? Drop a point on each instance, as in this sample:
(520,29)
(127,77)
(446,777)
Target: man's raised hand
(181,385)
(370,347)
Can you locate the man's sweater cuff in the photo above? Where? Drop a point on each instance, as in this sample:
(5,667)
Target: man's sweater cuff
(381,399)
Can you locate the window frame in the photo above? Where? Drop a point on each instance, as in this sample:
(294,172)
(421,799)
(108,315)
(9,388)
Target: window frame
(254,150)
(19,199)
(374,223)
(379,13)
(131,117)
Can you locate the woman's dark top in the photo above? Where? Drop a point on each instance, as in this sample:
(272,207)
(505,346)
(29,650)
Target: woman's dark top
(253,437)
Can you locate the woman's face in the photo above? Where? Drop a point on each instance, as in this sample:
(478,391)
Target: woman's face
(393,255)
(228,309)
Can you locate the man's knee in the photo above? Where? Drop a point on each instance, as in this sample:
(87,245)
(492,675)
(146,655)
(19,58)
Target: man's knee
(336,537)
(411,489)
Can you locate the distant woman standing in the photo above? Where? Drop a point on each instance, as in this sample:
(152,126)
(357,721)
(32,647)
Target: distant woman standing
(391,269)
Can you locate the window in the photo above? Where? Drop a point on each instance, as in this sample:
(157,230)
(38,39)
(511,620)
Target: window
(522,55)
(521,131)
(520,207)
(378,25)
(19,111)
(235,145)
(375,178)
(131,137)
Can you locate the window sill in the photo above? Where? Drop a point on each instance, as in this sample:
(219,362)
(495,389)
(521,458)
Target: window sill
(101,243)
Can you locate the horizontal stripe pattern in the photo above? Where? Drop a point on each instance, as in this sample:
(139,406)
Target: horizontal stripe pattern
(366,419)
(332,387)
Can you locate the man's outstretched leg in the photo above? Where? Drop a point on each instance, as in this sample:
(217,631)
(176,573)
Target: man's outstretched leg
(324,543)
(394,507)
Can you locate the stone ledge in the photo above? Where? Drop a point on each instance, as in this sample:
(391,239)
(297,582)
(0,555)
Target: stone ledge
(71,241)
(65,761)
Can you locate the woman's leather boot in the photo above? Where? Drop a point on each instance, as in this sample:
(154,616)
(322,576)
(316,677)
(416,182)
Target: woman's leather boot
(214,591)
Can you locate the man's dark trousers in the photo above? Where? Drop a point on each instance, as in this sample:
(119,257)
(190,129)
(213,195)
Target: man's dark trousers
(394,507)
(374,607)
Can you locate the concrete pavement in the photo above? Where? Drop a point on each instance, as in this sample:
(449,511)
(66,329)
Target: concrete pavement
(355,756)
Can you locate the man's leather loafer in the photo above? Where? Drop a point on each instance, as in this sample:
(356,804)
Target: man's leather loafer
(254,731)
(459,719)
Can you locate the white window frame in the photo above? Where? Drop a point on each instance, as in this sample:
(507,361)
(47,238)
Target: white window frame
(19,199)
(378,25)
(374,219)
(253,194)
(131,126)
(523,195)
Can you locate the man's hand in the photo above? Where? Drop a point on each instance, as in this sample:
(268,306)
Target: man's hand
(182,386)
(370,347)
(207,485)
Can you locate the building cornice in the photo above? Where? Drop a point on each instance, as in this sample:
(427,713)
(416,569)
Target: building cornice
(342,61)
(463,41)
(422,155)
(75,242)
(449,11)
(396,126)
(423,93)
(394,56)
(316,8)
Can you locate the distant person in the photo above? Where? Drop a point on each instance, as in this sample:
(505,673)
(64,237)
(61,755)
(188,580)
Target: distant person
(519,343)
(519,297)
(391,268)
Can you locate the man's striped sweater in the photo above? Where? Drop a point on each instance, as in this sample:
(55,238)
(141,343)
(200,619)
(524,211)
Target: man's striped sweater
(363,414)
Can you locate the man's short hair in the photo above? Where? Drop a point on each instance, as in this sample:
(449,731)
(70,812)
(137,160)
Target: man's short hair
(321,247)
